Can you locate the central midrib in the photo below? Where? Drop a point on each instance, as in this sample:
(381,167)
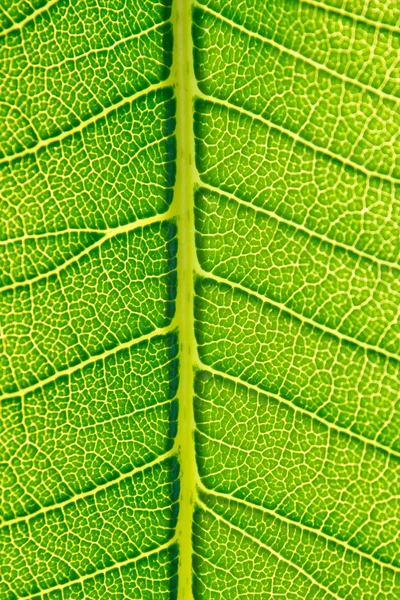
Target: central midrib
(183,74)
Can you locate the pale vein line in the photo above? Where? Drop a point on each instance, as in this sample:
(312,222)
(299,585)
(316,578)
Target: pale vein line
(291,522)
(297,55)
(31,17)
(127,415)
(83,124)
(345,13)
(298,138)
(312,415)
(314,324)
(92,492)
(103,49)
(38,236)
(268,548)
(119,565)
(310,232)
(108,234)
(92,359)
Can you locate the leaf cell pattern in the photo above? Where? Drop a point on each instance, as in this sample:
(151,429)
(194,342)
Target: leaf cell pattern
(259,339)
(296,299)
(89,365)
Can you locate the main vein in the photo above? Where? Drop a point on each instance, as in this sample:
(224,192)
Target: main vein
(185,87)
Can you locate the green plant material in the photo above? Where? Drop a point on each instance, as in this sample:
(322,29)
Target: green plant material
(199,299)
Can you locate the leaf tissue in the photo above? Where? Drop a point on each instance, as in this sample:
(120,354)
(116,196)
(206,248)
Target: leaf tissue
(199,299)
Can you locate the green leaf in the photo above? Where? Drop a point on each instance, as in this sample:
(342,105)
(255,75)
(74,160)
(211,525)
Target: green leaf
(199,299)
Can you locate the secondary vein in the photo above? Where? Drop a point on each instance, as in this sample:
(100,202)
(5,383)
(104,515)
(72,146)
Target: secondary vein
(339,428)
(297,55)
(98,488)
(311,322)
(299,139)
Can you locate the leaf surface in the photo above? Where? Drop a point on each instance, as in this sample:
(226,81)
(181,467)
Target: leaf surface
(199,299)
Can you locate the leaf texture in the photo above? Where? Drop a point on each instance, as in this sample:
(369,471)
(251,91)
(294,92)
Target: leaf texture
(89,350)
(199,299)
(297,296)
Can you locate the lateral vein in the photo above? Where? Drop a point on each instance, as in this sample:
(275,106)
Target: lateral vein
(108,234)
(317,532)
(268,548)
(83,124)
(119,565)
(92,492)
(297,55)
(299,139)
(345,13)
(32,17)
(311,232)
(316,325)
(158,331)
(340,429)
